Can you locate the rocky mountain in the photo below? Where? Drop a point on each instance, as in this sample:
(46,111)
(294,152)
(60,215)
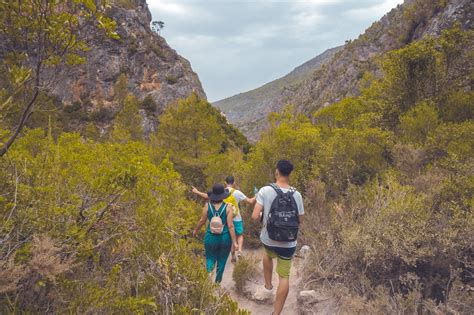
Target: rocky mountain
(342,74)
(248,111)
(151,66)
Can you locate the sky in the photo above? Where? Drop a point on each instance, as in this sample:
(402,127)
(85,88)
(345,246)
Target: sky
(238,45)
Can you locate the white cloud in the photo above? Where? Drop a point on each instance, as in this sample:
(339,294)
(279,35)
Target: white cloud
(374,12)
(168,7)
(236,45)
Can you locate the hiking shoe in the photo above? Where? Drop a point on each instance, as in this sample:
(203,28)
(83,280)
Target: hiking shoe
(262,294)
(233,259)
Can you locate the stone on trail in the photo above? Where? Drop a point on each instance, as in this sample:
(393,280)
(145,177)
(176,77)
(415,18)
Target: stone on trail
(304,251)
(308,296)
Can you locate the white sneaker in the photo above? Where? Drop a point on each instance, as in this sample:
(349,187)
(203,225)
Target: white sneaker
(263,294)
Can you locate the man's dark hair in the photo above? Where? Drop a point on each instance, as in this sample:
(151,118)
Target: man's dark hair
(285,167)
(230,180)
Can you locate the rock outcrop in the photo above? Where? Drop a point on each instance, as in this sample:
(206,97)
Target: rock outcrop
(409,22)
(151,66)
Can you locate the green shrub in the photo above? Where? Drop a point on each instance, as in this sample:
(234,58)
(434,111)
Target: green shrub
(148,104)
(391,211)
(244,270)
(171,79)
(97,228)
(75,106)
(103,114)
(132,46)
(418,123)
(126,4)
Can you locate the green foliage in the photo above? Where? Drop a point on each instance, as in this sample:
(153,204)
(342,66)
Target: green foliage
(171,79)
(121,89)
(127,4)
(348,113)
(291,137)
(101,114)
(221,165)
(128,122)
(194,136)
(387,178)
(458,106)
(91,132)
(418,123)
(97,228)
(426,70)
(52,34)
(148,104)
(418,13)
(354,156)
(396,172)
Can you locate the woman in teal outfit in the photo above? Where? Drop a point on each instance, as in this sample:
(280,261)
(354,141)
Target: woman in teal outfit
(217,245)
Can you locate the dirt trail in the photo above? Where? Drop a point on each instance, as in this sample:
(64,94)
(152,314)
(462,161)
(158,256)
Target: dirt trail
(291,305)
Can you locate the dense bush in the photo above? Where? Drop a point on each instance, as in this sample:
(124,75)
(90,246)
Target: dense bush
(198,141)
(387,179)
(94,228)
(148,104)
(394,229)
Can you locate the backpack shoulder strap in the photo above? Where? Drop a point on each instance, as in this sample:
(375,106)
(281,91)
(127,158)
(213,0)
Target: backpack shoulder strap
(276,188)
(211,208)
(224,208)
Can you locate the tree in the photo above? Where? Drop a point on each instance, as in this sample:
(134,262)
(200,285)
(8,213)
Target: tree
(157,26)
(291,137)
(189,130)
(419,122)
(121,89)
(99,228)
(128,122)
(38,37)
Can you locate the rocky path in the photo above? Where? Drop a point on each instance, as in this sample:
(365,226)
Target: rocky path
(291,305)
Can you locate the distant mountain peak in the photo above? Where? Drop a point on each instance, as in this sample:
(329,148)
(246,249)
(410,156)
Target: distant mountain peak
(247,108)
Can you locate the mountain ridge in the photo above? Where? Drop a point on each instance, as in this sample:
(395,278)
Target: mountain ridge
(272,91)
(341,75)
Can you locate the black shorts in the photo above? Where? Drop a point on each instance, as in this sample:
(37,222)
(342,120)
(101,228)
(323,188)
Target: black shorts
(282,252)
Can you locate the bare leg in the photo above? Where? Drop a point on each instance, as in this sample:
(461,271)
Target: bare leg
(267,270)
(232,251)
(281,294)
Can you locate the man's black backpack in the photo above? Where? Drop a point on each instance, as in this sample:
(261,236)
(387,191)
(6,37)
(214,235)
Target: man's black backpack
(283,218)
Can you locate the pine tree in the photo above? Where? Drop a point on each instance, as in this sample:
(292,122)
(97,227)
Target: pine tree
(128,122)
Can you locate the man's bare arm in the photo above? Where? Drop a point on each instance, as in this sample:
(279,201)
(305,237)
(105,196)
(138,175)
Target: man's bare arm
(257,210)
(250,201)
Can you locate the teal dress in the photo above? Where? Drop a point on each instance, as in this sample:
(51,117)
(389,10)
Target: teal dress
(217,246)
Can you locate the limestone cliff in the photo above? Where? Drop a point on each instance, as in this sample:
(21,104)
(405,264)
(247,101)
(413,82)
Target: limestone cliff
(411,21)
(151,66)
